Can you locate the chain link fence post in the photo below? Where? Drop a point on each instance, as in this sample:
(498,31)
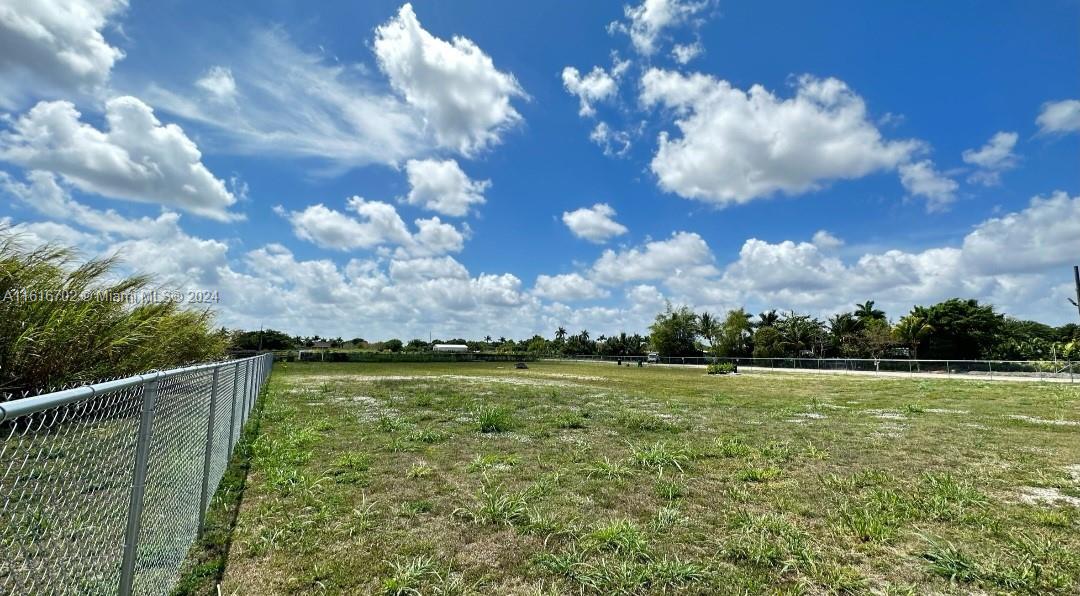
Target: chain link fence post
(250,390)
(204,497)
(232,410)
(244,395)
(138,486)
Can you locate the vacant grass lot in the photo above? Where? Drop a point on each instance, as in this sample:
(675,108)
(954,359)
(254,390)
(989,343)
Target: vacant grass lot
(569,478)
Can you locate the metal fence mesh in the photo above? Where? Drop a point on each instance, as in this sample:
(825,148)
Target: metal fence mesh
(77,501)
(219,440)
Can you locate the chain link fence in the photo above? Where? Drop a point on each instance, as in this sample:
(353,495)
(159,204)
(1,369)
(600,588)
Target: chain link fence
(1044,370)
(104,487)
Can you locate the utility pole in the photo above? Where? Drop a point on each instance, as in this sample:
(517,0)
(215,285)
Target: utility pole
(1076,278)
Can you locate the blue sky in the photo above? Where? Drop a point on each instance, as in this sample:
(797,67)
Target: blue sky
(472,168)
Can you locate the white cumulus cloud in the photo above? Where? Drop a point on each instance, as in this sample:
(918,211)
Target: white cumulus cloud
(595,224)
(1012,261)
(737,146)
(441,186)
(648,21)
(375,224)
(824,240)
(415,270)
(464,98)
(56,46)
(136,158)
(596,86)
(684,254)
(45,194)
(921,179)
(568,287)
(1046,234)
(219,83)
(993,158)
(615,143)
(683,53)
(1059,116)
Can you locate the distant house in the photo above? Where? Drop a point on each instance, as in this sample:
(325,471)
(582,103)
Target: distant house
(450,348)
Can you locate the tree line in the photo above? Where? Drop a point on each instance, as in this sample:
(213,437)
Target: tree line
(955,329)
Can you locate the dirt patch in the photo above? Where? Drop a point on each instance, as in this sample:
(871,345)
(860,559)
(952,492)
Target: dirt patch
(887,414)
(806,416)
(946,411)
(572,377)
(1035,420)
(475,379)
(1033,495)
(368,408)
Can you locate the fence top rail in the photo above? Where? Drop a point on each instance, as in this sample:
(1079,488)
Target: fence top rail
(949,360)
(39,403)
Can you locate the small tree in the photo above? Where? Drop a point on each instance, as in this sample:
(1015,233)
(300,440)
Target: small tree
(537,345)
(876,338)
(962,329)
(674,331)
(708,328)
(735,334)
(417,345)
(911,330)
(844,329)
(768,342)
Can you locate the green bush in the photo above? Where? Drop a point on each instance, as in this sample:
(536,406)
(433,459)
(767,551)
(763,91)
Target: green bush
(720,368)
(61,324)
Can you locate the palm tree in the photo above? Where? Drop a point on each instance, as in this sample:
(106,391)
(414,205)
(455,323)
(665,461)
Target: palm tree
(768,319)
(584,335)
(708,327)
(912,329)
(800,332)
(866,312)
(560,334)
(844,326)
(487,339)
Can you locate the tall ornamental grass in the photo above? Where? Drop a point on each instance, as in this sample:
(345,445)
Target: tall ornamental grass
(61,324)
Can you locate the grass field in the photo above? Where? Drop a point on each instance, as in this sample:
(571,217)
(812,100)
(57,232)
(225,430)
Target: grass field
(569,478)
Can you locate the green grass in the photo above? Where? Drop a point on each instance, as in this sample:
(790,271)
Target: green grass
(492,419)
(585,478)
